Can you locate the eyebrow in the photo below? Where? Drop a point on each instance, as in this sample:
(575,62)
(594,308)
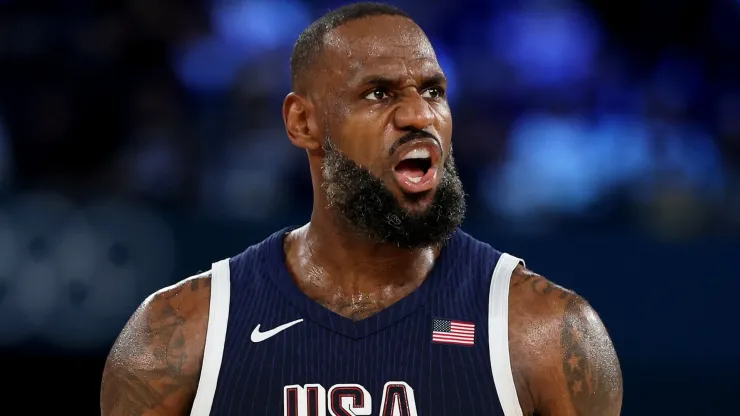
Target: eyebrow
(381,81)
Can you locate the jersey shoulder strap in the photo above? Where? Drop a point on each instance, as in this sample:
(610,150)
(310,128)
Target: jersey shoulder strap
(498,334)
(218,319)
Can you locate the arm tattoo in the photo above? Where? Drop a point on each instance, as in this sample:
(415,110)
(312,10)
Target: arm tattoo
(590,364)
(540,285)
(195,284)
(149,370)
(580,357)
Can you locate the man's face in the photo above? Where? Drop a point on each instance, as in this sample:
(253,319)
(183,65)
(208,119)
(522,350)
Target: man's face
(387,167)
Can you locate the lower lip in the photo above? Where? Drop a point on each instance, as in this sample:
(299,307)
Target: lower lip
(427,182)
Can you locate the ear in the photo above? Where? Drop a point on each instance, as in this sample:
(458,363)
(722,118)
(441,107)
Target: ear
(300,123)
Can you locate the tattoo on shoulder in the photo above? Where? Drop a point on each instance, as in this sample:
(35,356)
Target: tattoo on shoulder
(589,363)
(200,282)
(149,367)
(539,284)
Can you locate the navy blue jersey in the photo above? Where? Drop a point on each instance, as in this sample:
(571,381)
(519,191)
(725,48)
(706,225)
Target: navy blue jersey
(442,350)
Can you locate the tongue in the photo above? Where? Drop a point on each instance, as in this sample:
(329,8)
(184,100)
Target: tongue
(410,169)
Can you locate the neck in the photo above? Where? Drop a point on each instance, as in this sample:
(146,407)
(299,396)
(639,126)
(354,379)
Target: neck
(346,260)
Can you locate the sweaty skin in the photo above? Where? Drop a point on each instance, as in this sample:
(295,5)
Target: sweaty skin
(154,365)
(563,360)
(392,84)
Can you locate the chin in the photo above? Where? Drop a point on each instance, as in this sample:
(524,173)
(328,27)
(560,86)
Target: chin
(416,202)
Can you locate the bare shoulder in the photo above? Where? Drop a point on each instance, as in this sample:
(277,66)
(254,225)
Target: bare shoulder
(563,359)
(154,365)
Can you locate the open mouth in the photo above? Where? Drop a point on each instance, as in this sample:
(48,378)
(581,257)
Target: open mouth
(415,165)
(416,171)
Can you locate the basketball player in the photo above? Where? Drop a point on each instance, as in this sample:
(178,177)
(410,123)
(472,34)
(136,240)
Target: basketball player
(379,305)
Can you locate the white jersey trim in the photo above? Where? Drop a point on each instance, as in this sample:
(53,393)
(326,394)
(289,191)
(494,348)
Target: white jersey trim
(498,334)
(218,319)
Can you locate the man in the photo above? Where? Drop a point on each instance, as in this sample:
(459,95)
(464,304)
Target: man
(379,305)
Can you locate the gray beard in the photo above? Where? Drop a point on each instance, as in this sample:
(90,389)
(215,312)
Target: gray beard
(364,204)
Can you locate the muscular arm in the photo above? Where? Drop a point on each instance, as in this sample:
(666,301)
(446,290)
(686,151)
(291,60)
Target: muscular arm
(154,365)
(561,352)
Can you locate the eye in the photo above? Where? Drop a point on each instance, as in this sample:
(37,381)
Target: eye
(377,95)
(433,93)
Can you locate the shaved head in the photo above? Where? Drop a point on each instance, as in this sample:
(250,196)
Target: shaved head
(309,47)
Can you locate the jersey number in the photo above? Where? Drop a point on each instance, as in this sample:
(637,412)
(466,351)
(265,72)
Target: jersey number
(347,400)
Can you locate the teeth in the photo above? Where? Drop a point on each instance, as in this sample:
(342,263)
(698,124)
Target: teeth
(415,180)
(421,153)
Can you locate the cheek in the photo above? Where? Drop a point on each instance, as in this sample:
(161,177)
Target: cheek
(444,126)
(362,140)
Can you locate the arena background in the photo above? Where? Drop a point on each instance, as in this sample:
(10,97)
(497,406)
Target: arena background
(141,140)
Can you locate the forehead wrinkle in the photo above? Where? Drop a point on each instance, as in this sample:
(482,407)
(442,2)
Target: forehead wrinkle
(358,49)
(374,46)
(373,58)
(394,69)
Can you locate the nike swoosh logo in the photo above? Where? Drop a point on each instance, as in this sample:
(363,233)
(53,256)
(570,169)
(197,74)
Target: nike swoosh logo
(258,336)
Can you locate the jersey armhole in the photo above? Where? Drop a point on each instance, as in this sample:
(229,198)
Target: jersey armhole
(218,319)
(498,334)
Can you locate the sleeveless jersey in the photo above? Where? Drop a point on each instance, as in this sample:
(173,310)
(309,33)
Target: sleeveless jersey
(442,350)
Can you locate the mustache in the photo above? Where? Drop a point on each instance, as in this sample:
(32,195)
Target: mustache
(416,134)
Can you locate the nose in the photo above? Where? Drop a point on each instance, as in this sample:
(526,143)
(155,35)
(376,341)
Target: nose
(414,112)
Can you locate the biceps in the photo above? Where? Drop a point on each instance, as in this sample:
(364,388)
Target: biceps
(125,394)
(149,371)
(150,393)
(590,368)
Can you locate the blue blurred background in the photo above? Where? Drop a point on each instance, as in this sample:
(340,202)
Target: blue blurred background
(141,140)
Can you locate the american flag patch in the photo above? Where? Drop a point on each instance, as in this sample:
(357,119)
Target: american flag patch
(445,331)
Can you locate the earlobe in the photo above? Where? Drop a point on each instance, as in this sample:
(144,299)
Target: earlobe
(299,125)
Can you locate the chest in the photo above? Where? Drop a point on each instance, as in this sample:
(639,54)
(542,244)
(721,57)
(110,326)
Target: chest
(427,354)
(422,364)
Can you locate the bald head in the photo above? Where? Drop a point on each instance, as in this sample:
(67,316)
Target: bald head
(310,46)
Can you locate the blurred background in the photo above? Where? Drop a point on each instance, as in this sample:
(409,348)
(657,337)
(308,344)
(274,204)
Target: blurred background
(142,140)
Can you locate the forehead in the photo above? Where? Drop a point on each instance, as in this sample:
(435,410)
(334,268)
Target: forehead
(380,44)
